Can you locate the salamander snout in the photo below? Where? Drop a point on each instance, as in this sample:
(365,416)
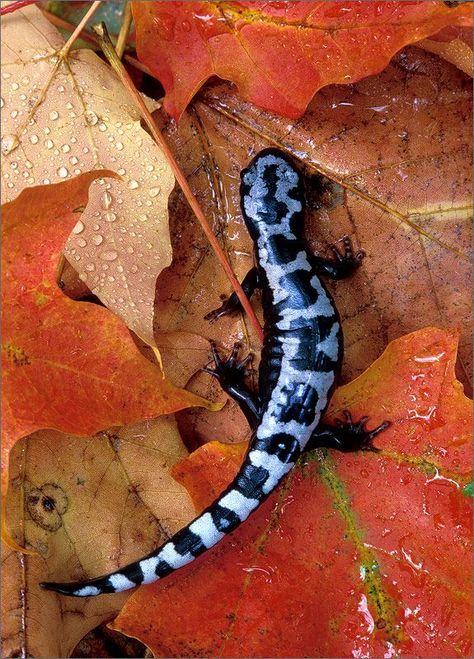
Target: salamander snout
(271,192)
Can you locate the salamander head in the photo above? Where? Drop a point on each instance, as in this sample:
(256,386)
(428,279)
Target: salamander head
(271,194)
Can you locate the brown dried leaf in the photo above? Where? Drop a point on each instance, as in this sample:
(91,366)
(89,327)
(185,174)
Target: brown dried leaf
(395,149)
(64,117)
(86,507)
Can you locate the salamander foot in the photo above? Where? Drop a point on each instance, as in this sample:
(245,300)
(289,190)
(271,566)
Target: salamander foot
(354,436)
(228,371)
(347,256)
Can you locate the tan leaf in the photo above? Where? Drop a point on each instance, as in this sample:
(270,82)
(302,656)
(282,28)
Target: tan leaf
(86,506)
(63,117)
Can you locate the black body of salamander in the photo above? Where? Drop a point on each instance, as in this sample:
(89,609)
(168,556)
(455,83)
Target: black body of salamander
(300,362)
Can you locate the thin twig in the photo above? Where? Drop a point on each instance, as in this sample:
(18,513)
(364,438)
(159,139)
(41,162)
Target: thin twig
(109,51)
(85,36)
(124,30)
(69,43)
(13,6)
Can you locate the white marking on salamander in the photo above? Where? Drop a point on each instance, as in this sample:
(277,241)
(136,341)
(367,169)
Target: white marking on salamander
(239,504)
(121,582)
(275,467)
(148,567)
(169,554)
(86,591)
(207,531)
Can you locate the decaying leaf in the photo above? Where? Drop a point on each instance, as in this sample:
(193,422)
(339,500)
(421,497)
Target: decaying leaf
(279,53)
(68,365)
(64,117)
(356,555)
(396,153)
(86,505)
(454,44)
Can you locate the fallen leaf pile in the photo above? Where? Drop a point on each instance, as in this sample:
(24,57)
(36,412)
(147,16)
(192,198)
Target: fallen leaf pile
(86,505)
(68,365)
(362,555)
(359,555)
(64,117)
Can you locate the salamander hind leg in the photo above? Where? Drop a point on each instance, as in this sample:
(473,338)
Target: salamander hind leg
(230,373)
(346,436)
(344,263)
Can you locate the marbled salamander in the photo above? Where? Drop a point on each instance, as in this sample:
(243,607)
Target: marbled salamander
(300,362)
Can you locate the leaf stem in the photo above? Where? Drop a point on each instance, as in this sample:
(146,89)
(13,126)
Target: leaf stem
(109,51)
(68,45)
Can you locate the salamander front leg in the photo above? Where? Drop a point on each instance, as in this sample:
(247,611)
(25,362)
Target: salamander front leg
(344,262)
(346,436)
(231,375)
(249,284)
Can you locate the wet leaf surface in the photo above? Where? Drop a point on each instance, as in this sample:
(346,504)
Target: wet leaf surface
(67,365)
(364,554)
(278,53)
(395,154)
(86,505)
(64,117)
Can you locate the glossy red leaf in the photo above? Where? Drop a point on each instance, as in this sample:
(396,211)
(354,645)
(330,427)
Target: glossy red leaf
(279,53)
(359,555)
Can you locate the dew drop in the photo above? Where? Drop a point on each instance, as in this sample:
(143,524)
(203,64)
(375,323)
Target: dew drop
(61,89)
(9,142)
(62,172)
(83,276)
(46,181)
(91,118)
(143,217)
(2,102)
(90,267)
(106,199)
(79,227)
(53,115)
(134,268)
(81,242)
(15,86)
(102,127)
(73,160)
(109,256)
(97,239)
(65,148)
(34,139)
(119,146)
(110,217)
(28,164)
(150,168)
(110,278)
(132,184)
(14,114)
(120,268)
(46,130)
(130,249)
(121,171)
(49,144)
(154,192)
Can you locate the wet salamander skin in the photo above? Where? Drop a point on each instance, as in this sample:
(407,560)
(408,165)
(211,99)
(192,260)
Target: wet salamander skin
(300,360)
